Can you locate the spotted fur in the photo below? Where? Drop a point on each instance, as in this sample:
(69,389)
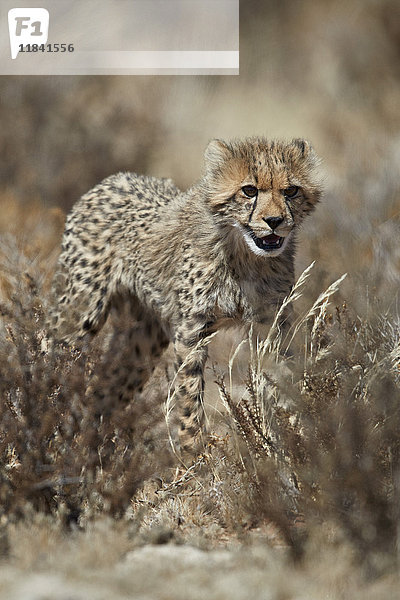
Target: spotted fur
(188,262)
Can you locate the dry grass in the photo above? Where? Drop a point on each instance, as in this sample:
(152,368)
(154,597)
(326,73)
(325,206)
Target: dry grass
(321,432)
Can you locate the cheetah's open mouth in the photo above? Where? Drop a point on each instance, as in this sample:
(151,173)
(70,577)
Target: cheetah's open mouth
(269,242)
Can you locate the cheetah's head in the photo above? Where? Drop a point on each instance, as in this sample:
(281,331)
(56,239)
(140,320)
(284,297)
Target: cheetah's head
(263,189)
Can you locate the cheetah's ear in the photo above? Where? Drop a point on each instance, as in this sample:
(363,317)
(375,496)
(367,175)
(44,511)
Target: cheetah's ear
(303,146)
(304,149)
(216,153)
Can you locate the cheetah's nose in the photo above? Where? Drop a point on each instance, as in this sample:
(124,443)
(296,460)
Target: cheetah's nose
(273,222)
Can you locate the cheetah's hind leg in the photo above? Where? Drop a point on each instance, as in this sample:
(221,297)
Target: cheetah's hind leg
(131,356)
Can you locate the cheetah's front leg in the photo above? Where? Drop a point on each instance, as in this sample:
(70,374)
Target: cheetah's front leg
(191,355)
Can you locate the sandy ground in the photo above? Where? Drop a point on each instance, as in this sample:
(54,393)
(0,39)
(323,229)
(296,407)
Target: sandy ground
(167,572)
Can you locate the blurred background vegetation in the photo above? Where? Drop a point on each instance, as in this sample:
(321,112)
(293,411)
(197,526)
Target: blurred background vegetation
(326,71)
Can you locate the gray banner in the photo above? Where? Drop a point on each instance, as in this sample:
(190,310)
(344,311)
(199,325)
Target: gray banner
(75,37)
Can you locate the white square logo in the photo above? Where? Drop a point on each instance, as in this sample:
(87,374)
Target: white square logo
(27,26)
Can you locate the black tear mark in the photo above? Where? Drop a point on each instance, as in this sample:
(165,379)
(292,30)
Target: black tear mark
(288,207)
(253,208)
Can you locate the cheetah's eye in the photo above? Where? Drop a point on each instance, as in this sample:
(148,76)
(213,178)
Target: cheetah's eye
(291,191)
(250,191)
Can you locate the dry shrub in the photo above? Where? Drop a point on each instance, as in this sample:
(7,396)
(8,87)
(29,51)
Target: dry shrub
(60,451)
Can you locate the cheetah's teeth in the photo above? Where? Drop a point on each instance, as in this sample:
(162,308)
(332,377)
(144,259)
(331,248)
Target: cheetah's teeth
(269,242)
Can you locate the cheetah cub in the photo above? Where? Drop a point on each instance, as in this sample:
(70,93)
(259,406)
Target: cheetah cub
(189,263)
